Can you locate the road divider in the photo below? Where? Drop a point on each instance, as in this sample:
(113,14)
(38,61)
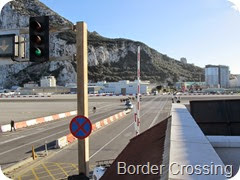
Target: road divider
(48,96)
(97,95)
(23,96)
(31,122)
(68,139)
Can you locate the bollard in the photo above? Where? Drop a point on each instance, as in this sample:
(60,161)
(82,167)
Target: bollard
(34,156)
(46,150)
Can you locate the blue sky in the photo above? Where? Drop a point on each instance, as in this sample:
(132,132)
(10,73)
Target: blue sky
(203,31)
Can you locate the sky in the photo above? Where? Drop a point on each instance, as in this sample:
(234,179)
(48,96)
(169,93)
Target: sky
(203,31)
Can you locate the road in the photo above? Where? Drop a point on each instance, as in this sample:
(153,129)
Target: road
(110,141)
(15,146)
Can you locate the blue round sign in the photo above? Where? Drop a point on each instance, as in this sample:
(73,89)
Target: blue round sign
(80,127)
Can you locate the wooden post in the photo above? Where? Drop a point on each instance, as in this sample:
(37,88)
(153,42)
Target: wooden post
(82,93)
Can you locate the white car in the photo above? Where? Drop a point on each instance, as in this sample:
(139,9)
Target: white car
(129,105)
(179,93)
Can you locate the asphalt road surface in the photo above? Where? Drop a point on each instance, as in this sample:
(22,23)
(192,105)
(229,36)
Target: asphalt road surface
(110,141)
(15,146)
(25,109)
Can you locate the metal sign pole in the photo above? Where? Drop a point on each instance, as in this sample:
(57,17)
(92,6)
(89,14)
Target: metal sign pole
(138,91)
(82,93)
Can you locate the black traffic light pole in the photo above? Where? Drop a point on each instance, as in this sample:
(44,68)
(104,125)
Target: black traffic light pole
(39,39)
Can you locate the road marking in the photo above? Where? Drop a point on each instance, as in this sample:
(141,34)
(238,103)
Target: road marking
(34,173)
(156,117)
(74,165)
(121,132)
(11,140)
(43,129)
(48,171)
(31,142)
(110,141)
(46,137)
(62,169)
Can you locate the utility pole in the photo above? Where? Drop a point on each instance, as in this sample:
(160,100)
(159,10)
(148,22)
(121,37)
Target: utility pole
(82,93)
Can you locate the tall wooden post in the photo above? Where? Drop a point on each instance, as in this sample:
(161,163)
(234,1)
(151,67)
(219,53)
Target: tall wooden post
(82,93)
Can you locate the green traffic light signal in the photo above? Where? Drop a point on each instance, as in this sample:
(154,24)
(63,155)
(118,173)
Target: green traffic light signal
(38,52)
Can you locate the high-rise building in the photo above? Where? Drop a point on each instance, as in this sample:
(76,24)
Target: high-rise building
(217,76)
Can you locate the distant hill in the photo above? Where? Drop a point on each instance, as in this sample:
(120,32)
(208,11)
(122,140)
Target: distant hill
(109,59)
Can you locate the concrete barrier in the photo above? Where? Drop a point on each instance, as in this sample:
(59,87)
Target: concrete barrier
(68,139)
(61,142)
(189,147)
(31,122)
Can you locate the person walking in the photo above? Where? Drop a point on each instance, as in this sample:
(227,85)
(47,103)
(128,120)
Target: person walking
(13,125)
(94,109)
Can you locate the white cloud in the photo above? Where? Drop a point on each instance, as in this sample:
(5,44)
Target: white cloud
(3,3)
(236,4)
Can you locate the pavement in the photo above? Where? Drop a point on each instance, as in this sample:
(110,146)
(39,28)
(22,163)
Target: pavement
(106,143)
(16,146)
(25,109)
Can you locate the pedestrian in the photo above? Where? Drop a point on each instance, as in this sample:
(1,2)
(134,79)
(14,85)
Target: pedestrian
(94,109)
(13,125)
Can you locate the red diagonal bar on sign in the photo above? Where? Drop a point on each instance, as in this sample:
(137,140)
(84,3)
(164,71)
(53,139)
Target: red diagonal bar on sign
(80,127)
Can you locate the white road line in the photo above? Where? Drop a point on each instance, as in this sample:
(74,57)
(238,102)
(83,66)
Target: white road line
(30,143)
(118,134)
(156,117)
(110,141)
(11,139)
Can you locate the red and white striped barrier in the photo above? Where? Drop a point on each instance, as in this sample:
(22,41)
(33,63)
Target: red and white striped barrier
(31,122)
(96,95)
(137,119)
(22,96)
(68,139)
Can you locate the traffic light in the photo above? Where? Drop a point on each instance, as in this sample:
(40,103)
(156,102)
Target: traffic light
(39,38)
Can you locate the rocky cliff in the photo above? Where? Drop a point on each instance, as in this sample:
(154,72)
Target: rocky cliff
(109,59)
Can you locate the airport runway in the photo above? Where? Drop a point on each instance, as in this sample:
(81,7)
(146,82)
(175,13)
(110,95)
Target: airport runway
(15,146)
(22,109)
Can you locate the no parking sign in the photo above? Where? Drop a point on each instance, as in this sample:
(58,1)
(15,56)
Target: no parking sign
(80,127)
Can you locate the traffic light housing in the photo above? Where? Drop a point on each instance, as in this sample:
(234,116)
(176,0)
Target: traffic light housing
(39,38)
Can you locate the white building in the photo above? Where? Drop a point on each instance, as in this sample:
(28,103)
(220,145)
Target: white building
(217,76)
(48,81)
(234,81)
(121,87)
(30,84)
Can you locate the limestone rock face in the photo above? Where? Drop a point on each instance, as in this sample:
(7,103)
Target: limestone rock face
(109,59)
